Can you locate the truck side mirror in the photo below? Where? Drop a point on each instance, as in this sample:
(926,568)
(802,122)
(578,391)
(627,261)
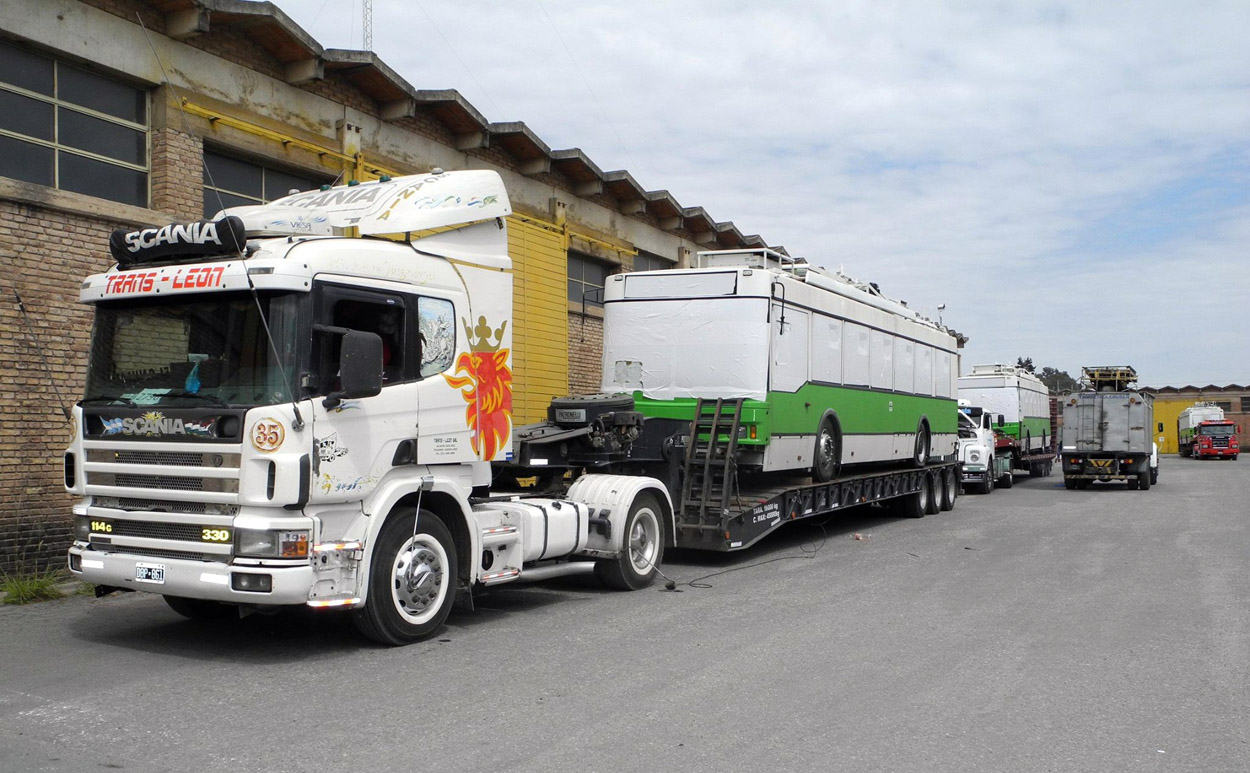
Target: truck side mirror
(1000,420)
(360,367)
(1160,426)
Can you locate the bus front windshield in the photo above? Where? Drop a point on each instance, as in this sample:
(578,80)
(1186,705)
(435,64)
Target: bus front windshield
(190,352)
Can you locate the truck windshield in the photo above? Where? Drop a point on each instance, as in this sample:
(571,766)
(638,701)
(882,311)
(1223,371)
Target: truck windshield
(180,351)
(1219,430)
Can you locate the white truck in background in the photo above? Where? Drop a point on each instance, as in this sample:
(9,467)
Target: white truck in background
(982,466)
(1008,412)
(281,412)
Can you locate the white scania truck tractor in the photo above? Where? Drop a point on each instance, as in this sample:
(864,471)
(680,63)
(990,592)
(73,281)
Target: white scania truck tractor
(280,410)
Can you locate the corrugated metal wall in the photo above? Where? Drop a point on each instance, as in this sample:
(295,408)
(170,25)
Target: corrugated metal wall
(540,337)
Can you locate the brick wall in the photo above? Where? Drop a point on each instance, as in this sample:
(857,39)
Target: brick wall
(177,174)
(42,358)
(585,353)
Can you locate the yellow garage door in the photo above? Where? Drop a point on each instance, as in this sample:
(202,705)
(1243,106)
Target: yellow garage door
(540,333)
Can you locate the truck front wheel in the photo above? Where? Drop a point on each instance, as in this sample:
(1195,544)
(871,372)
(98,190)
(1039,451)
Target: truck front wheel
(411,583)
(641,550)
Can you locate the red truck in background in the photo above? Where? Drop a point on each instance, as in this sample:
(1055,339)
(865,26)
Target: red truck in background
(1202,432)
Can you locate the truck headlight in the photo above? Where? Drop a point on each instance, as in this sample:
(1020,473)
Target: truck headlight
(974,456)
(271,543)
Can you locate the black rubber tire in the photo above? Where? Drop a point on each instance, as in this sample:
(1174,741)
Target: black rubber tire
(199,609)
(1071,484)
(1154,474)
(1143,480)
(636,567)
(935,494)
(920,454)
(395,613)
(950,489)
(827,456)
(1133,483)
(917,505)
(1007,481)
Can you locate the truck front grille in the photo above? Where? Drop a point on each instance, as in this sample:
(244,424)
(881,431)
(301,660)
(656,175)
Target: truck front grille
(132,505)
(158,553)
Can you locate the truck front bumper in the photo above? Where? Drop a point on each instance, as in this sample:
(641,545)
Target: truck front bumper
(208,580)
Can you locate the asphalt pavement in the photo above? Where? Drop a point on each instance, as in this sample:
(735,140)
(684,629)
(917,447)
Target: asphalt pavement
(1033,629)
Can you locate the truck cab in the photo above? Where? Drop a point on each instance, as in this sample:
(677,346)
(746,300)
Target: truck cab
(279,411)
(983,467)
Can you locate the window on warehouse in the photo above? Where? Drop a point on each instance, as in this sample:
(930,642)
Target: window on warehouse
(233,182)
(69,128)
(586,278)
(645,261)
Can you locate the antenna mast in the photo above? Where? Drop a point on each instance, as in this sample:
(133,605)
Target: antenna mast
(368,24)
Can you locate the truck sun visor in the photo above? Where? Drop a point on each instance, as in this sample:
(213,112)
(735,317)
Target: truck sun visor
(168,244)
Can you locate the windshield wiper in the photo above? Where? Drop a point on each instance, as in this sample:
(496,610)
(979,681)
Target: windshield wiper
(215,400)
(111,399)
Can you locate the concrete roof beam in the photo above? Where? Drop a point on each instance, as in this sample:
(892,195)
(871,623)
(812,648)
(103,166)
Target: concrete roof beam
(397,109)
(303,71)
(187,23)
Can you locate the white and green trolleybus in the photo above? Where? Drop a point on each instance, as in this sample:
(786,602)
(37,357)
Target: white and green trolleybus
(826,372)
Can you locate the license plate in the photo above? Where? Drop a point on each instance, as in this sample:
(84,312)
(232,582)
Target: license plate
(154,573)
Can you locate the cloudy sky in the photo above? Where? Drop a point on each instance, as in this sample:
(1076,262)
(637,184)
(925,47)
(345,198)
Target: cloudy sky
(1071,179)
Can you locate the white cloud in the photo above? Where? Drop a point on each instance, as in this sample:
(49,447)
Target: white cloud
(1069,178)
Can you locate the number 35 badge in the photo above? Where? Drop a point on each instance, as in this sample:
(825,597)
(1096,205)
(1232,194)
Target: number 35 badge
(267,435)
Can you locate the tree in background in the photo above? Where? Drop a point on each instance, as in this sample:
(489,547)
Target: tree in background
(1055,380)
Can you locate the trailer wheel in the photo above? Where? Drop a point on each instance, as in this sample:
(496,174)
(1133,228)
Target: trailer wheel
(643,547)
(920,455)
(1069,483)
(411,584)
(826,458)
(935,494)
(916,505)
(950,489)
(1143,480)
(199,609)
(1007,481)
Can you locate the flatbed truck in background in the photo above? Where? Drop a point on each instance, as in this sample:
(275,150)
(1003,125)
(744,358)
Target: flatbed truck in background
(1011,417)
(1203,433)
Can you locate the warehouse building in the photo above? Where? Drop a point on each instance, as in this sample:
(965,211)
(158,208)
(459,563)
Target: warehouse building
(125,113)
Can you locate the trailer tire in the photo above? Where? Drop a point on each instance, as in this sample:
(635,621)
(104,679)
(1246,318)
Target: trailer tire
(1007,481)
(643,547)
(920,454)
(827,457)
(200,609)
(917,505)
(950,489)
(1143,480)
(412,580)
(935,493)
(1070,483)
